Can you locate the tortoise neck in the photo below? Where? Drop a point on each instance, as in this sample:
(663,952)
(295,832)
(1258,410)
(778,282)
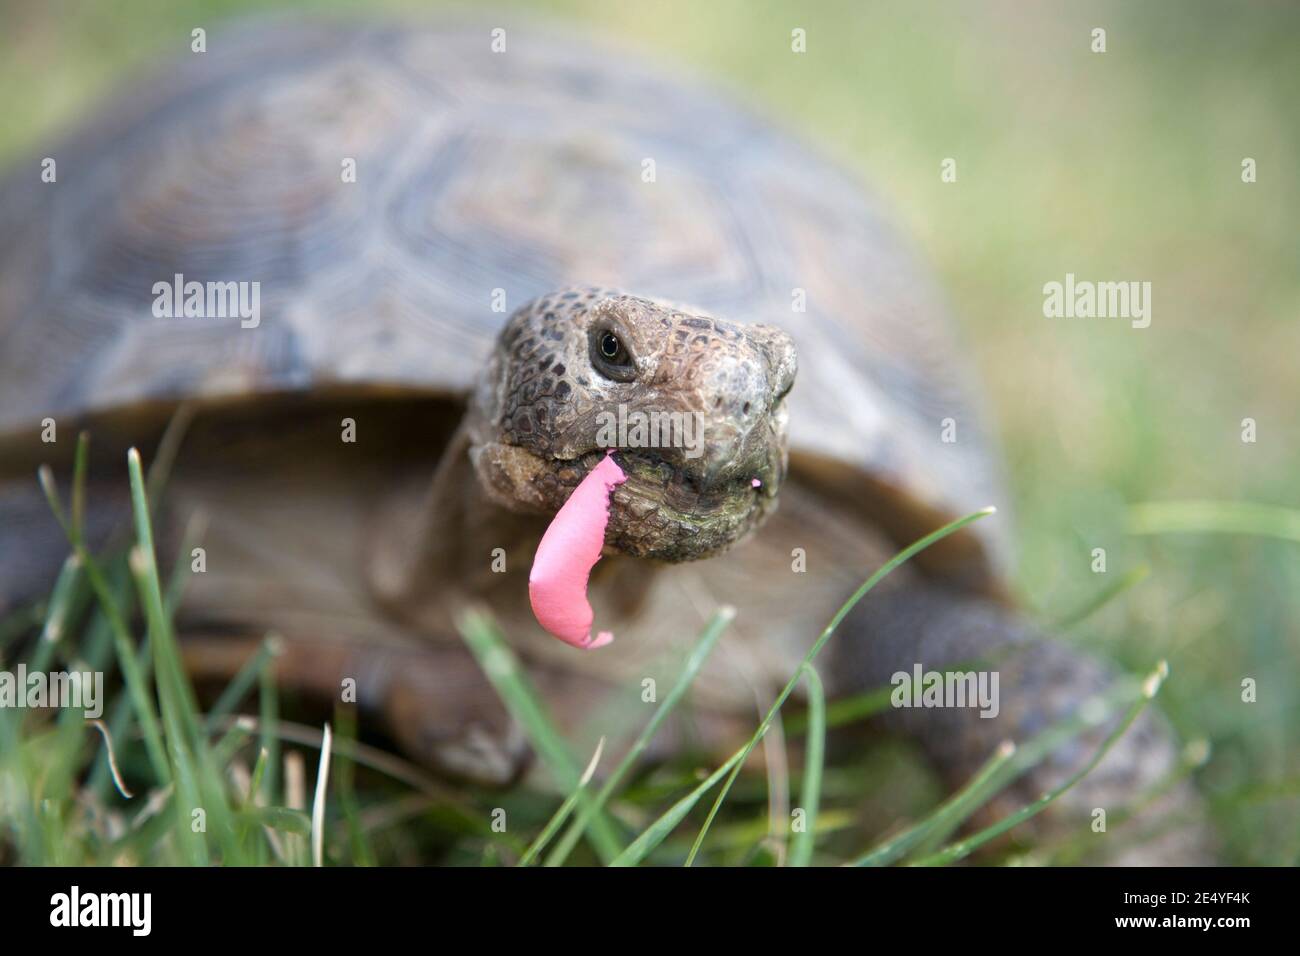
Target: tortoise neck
(437,548)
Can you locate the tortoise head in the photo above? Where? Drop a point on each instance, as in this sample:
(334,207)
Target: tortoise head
(693,406)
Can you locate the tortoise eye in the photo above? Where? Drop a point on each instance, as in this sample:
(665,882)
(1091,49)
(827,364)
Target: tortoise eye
(610,356)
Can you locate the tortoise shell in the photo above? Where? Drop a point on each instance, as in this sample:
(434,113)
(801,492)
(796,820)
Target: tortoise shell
(396,190)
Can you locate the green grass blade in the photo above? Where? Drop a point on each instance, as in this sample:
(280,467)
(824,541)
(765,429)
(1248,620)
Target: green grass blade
(1130,579)
(659,831)
(126,708)
(502,669)
(561,815)
(694,661)
(144,564)
(963,848)
(62,606)
(1071,847)
(198,776)
(859,707)
(179,748)
(56,642)
(181,573)
(255,781)
(244,680)
(136,682)
(910,551)
(950,813)
(284,819)
(344,774)
(801,847)
(1215,517)
(101,636)
(79,485)
(850,710)
(558,819)
(169,446)
(50,488)
(268,710)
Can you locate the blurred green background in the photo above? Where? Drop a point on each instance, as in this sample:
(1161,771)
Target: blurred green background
(1123,165)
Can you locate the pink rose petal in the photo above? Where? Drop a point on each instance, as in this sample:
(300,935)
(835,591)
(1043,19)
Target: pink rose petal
(570,548)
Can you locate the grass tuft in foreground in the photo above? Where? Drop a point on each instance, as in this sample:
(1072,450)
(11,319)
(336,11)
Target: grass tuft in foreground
(159,781)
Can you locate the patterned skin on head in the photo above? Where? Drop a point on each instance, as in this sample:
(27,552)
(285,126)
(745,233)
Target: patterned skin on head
(710,395)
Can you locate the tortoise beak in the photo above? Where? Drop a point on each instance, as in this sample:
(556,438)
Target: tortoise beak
(753,456)
(782,359)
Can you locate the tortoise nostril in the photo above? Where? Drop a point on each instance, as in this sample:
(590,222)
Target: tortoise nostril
(746,409)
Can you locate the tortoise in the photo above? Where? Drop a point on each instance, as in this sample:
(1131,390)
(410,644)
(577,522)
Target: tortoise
(455,259)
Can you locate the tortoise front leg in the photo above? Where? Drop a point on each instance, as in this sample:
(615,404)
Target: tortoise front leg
(1041,681)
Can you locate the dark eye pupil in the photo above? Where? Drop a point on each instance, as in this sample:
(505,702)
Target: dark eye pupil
(609,345)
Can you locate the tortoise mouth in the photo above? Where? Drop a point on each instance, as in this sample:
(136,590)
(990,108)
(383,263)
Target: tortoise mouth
(687,491)
(673,513)
(671,506)
(678,507)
